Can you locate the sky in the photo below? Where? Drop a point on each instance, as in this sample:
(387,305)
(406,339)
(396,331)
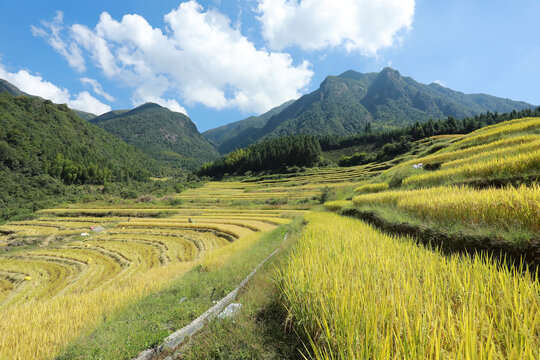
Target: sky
(220,61)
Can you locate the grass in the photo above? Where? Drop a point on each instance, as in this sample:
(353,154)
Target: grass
(360,294)
(259,329)
(147,321)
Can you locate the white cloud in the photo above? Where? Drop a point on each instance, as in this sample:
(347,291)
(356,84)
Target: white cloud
(358,25)
(86,102)
(97,88)
(439,82)
(71,51)
(97,47)
(35,85)
(199,58)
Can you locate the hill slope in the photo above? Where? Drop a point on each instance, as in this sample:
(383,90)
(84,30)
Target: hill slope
(344,104)
(6,86)
(165,135)
(222,134)
(44,145)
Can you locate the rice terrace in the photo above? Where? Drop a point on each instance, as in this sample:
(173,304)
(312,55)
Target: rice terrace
(347,215)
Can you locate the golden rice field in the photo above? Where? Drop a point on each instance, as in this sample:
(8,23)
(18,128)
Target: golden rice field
(508,207)
(337,205)
(371,188)
(505,150)
(65,284)
(361,294)
(504,129)
(517,165)
(358,293)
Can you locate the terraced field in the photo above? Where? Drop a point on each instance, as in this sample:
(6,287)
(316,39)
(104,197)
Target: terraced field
(361,294)
(64,272)
(507,150)
(479,196)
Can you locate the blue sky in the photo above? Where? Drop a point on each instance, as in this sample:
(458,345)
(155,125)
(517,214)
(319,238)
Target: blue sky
(221,61)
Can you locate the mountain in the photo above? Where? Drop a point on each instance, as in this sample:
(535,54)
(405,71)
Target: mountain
(167,136)
(33,132)
(6,86)
(345,104)
(84,115)
(44,147)
(223,133)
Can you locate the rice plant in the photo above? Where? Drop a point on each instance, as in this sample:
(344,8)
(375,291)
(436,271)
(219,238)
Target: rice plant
(360,294)
(508,207)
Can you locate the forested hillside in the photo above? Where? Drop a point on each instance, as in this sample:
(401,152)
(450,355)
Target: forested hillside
(222,135)
(167,136)
(44,146)
(273,155)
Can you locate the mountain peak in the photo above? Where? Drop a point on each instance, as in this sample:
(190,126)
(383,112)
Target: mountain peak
(167,136)
(343,104)
(148,106)
(6,86)
(389,74)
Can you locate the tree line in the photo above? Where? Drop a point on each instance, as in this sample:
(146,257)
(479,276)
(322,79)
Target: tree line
(419,131)
(275,154)
(306,150)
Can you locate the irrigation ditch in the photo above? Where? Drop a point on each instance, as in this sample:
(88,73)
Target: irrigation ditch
(178,339)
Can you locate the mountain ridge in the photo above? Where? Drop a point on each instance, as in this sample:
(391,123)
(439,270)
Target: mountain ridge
(165,135)
(345,104)
(6,86)
(225,132)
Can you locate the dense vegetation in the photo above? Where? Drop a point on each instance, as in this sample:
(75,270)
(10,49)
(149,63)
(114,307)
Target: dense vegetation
(45,147)
(275,154)
(221,135)
(167,136)
(351,102)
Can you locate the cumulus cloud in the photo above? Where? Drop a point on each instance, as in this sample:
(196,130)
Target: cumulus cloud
(199,57)
(358,25)
(35,85)
(440,82)
(97,88)
(51,32)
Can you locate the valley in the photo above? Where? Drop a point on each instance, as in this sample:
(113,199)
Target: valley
(349,289)
(404,219)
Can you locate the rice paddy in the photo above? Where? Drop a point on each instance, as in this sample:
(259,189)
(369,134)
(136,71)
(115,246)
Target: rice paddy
(360,294)
(356,292)
(508,150)
(70,268)
(506,208)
